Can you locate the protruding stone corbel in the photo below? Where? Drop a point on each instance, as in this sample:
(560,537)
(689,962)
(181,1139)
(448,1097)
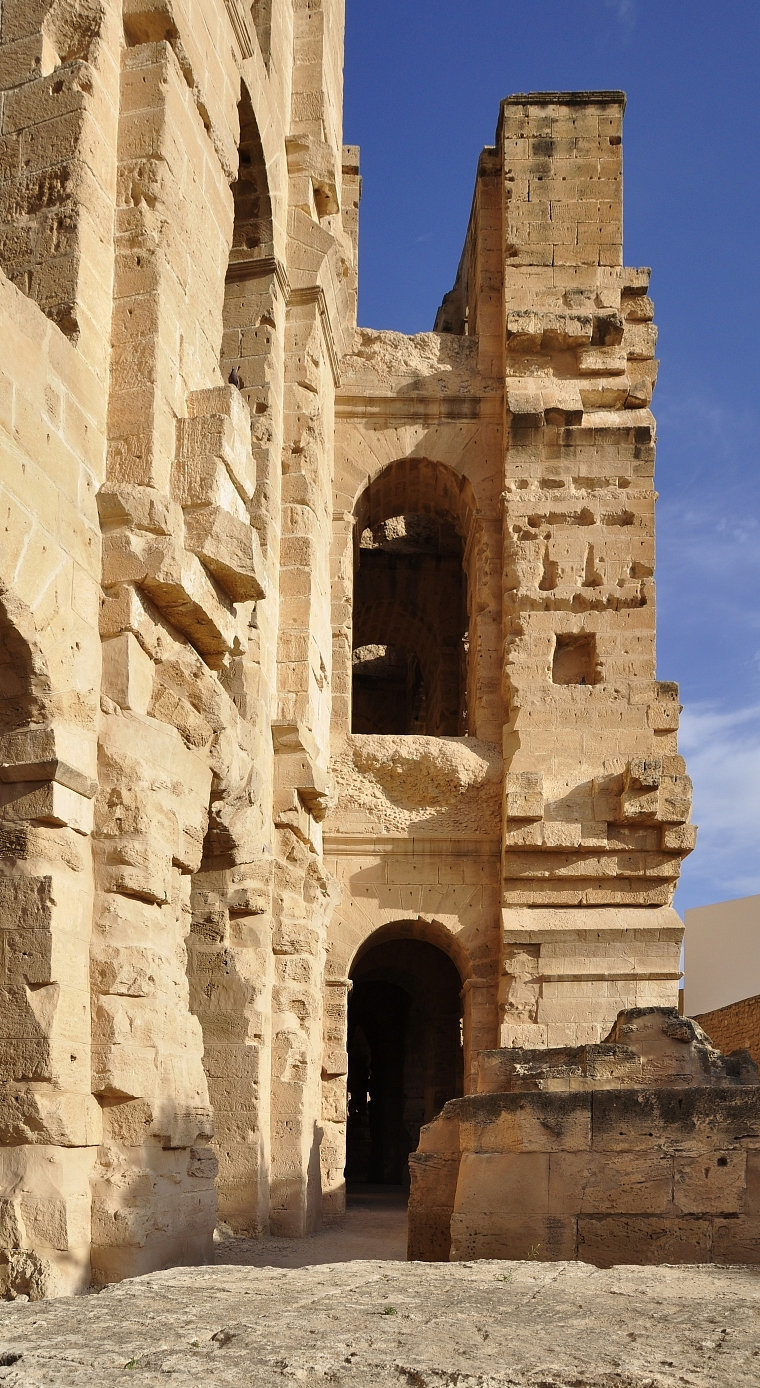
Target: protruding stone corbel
(656,790)
(297,772)
(525,404)
(40,780)
(640,798)
(524,795)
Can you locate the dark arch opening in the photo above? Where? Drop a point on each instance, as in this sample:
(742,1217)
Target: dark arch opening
(248,323)
(404,1054)
(411,598)
(388,690)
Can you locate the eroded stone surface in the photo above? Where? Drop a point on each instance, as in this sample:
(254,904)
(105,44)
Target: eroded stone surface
(379,1325)
(401,784)
(240,535)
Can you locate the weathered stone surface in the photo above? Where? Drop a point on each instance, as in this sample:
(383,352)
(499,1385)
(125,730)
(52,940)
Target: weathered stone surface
(642,1149)
(378,1324)
(326,654)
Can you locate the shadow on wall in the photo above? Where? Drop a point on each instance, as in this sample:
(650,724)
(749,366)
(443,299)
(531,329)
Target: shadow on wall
(145,1214)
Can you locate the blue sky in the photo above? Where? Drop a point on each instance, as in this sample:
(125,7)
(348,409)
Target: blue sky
(423,83)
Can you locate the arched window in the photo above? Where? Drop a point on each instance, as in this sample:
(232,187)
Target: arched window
(410,607)
(248,323)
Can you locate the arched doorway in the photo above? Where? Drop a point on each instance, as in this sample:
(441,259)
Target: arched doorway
(404,1054)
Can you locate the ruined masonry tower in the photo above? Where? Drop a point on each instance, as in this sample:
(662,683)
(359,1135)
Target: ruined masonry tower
(331,752)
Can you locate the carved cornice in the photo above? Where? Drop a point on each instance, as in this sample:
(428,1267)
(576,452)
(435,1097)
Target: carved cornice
(315,294)
(418,407)
(258,268)
(399,845)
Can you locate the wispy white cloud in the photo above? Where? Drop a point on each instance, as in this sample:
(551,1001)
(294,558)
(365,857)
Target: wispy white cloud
(722,750)
(624,11)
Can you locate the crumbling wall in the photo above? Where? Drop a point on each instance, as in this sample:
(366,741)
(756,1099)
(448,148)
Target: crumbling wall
(60,103)
(137,480)
(645,1149)
(52,445)
(596,796)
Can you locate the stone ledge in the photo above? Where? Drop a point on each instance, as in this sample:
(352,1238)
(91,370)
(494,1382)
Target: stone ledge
(375,1324)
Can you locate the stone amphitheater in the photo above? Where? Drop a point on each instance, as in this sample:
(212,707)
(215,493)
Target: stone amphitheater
(340,808)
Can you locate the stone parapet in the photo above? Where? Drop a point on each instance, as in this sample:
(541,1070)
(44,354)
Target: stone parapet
(642,1150)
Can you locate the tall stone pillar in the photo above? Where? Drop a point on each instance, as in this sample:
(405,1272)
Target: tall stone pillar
(596,797)
(181,573)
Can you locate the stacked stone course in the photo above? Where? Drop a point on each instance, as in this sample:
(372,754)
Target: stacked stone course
(735,1027)
(202,831)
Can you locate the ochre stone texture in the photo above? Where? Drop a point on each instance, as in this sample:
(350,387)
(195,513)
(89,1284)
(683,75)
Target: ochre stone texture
(372,1324)
(644,1149)
(227,516)
(735,1027)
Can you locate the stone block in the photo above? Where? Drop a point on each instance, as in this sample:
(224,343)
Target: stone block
(609,1239)
(620,1183)
(736,1241)
(506,1236)
(526,1123)
(714,1182)
(688,1121)
(230,550)
(495,1182)
(127,673)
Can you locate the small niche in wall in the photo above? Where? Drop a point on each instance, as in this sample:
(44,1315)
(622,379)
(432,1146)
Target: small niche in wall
(574,659)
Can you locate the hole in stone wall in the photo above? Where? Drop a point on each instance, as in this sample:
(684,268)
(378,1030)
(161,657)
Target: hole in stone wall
(404,1055)
(575,660)
(148,26)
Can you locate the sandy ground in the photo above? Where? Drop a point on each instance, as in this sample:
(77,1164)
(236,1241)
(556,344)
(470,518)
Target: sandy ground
(374,1228)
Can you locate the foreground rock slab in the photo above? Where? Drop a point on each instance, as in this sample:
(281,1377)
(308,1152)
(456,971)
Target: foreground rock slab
(382,1325)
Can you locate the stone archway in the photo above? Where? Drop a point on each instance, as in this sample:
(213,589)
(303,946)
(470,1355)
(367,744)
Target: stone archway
(405,1056)
(411,593)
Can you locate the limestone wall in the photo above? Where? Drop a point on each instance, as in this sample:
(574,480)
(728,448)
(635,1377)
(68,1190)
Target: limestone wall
(52,465)
(161,228)
(643,1150)
(226,512)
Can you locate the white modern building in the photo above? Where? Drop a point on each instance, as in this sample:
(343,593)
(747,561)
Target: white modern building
(721,954)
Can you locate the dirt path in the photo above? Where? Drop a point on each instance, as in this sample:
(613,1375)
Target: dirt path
(374,1228)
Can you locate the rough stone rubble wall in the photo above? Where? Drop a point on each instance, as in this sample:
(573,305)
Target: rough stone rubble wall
(183,894)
